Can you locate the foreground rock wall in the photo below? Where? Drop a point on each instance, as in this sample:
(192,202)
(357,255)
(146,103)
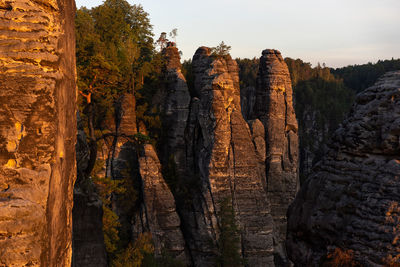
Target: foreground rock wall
(37,131)
(349,206)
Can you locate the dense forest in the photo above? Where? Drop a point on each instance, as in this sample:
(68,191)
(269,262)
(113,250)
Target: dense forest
(117,55)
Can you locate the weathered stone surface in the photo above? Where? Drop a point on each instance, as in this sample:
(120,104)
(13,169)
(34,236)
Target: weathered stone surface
(174,111)
(222,163)
(274,108)
(88,239)
(127,116)
(248,101)
(154,209)
(157,211)
(351,200)
(37,132)
(313,137)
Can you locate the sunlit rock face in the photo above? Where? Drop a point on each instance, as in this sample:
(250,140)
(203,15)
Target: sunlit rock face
(274,108)
(350,202)
(37,131)
(222,163)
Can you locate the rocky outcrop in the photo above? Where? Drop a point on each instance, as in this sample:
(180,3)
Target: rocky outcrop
(88,239)
(37,132)
(313,138)
(222,164)
(174,108)
(157,210)
(152,209)
(349,206)
(274,108)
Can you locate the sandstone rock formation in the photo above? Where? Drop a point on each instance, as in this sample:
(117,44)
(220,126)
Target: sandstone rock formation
(88,239)
(222,163)
(37,132)
(350,203)
(174,107)
(274,108)
(153,210)
(157,211)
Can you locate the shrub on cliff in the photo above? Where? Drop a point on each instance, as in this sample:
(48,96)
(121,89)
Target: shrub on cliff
(229,241)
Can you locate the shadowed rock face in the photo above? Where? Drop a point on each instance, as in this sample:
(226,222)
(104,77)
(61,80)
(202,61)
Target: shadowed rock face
(88,239)
(154,210)
(222,163)
(174,107)
(274,108)
(37,131)
(157,211)
(351,199)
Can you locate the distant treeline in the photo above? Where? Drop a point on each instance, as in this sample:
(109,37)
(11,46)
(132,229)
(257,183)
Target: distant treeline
(360,77)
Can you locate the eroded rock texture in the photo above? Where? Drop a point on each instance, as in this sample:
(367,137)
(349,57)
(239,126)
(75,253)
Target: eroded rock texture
(150,208)
(157,212)
(175,99)
(274,108)
(351,200)
(153,208)
(222,163)
(37,131)
(88,239)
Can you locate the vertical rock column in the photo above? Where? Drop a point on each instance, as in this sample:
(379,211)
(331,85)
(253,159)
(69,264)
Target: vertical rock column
(223,161)
(175,99)
(274,108)
(37,131)
(157,211)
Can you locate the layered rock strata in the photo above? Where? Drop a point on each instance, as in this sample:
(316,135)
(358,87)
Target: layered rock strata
(37,132)
(349,206)
(222,164)
(274,108)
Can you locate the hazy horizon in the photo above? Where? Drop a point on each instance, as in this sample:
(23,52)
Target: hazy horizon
(337,34)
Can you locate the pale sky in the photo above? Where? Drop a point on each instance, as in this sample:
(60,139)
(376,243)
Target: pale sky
(335,32)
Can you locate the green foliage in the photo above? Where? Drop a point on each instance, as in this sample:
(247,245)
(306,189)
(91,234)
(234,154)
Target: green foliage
(248,69)
(110,230)
(360,77)
(187,71)
(141,253)
(116,55)
(222,50)
(316,89)
(229,241)
(321,102)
